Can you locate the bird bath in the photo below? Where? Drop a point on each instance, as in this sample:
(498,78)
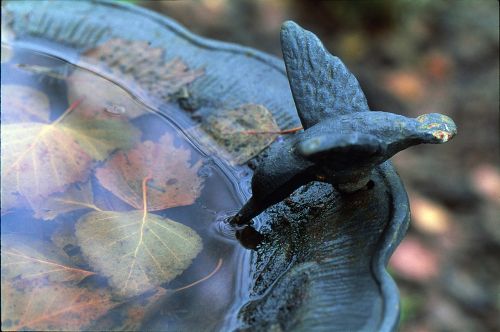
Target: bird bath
(171,100)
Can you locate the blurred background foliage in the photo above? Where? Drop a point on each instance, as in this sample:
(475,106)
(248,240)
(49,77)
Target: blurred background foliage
(411,57)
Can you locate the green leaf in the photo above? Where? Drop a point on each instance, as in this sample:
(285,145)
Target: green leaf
(100,137)
(137,251)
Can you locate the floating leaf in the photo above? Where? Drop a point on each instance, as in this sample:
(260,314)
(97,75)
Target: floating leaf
(77,196)
(136,250)
(50,307)
(23,104)
(135,65)
(174,182)
(241,132)
(25,259)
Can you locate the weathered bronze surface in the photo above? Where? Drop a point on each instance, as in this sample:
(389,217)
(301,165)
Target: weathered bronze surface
(343,140)
(322,260)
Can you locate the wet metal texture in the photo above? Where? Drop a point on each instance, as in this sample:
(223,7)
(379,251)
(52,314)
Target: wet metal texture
(342,139)
(322,261)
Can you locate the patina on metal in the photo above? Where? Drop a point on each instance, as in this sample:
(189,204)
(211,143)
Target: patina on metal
(343,141)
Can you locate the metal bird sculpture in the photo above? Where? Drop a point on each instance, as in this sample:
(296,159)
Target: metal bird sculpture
(342,140)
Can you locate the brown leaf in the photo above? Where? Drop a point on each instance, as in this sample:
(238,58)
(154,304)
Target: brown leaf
(239,134)
(23,104)
(174,182)
(133,314)
(39,289)
(26,259)
(135,65)
(51,307)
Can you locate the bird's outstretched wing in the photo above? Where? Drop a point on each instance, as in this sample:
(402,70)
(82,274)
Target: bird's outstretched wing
(321,84)
(342,148)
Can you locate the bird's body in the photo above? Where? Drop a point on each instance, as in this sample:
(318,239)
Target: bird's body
(342,139)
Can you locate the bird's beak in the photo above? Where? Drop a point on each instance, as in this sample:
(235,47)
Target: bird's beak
(440,126)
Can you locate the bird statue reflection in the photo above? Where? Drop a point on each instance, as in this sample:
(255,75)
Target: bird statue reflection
(342,140)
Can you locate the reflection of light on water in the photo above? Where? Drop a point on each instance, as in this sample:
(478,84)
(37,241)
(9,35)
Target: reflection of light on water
(216,299)
(115,109)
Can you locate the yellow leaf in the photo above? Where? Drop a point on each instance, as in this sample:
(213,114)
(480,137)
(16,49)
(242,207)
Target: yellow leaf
(37,160)
(40,159)
(137,251)
(26,259)
(100,137)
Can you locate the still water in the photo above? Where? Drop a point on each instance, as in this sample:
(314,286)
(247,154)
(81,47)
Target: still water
(109,210)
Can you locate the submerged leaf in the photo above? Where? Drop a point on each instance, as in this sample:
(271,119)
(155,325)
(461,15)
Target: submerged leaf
(103,99)
(77,196)
(39,289)
(131,315)
(26,260)
(41,159)
(51,307)
(7,53)
(241,133)
(22,104)
(133,64)
(137,61)
(136,250)
(64,239)
(99,137)
(174,182)
(38,160)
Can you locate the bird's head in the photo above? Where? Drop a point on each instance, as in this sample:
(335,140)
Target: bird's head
(436,128)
